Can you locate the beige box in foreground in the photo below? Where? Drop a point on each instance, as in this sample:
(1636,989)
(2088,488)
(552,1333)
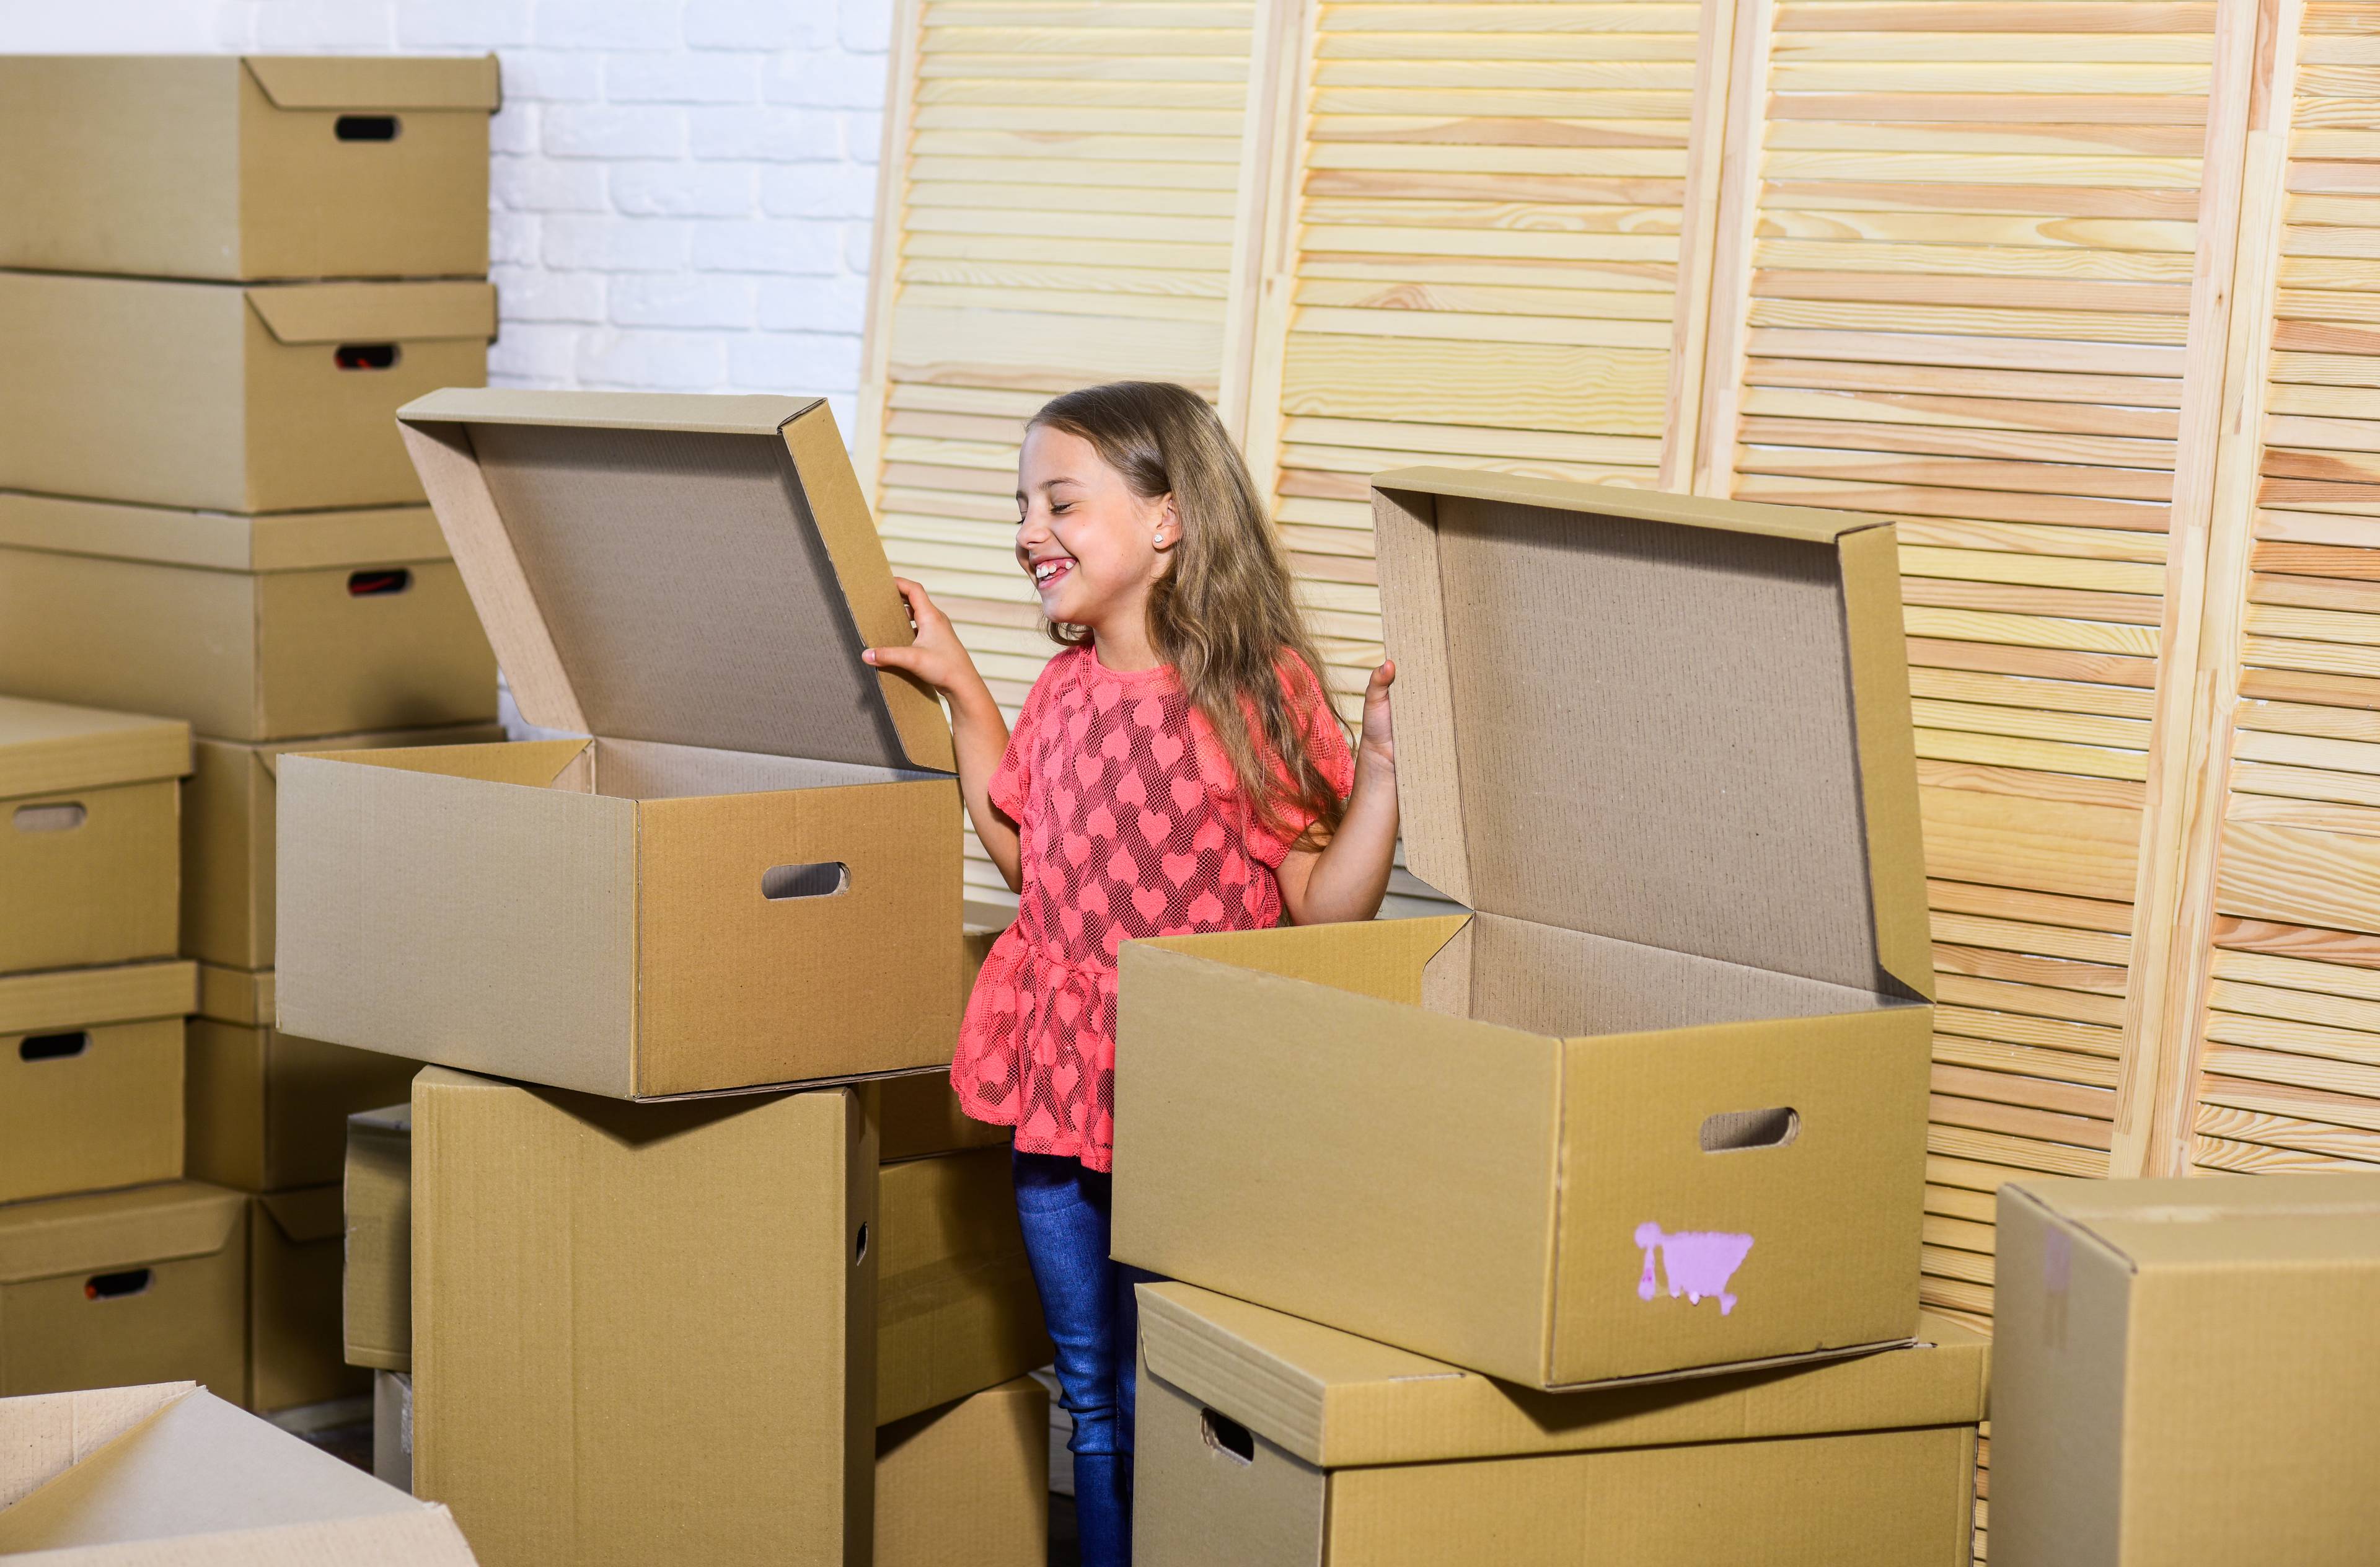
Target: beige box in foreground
(967,1483)
(296,1246)
(274,397)
(645,1333)
(136,1476)
(1658,1106)
(250,627)
(2186,1372)
(1265,1440)
(750,877)
(377,1287)
(91,1077)
(271,167)
(89,811)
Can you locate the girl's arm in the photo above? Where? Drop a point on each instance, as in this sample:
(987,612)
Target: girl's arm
(1346,876)
(978,732)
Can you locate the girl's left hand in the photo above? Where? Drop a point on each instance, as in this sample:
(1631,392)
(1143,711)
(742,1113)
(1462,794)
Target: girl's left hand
(1378,741)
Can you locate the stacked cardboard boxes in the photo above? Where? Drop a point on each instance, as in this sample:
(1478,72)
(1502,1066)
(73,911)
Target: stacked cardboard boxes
(219,279)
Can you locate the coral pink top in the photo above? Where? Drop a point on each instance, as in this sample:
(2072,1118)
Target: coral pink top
(1131,823)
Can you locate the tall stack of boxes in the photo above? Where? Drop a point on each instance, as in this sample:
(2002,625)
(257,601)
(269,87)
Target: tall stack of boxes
(692,1263)
(219,279)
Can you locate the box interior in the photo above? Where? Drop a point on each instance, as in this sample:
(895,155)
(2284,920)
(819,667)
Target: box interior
(633,770)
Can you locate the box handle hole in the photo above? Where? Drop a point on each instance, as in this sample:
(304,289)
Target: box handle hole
(378,584)
(54,1047)
(117,1286)
(364,356)
(823,879)
(1733,1131)
(64,817)
(1227,1436)
(859,1246)
(366,127)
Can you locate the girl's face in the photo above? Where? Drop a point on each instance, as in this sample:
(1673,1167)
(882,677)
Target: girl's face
(1092,547)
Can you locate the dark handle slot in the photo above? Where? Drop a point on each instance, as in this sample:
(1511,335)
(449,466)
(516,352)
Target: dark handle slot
(1227,1436)
(373,584)
(116,1286)
(364,356)
(1734,1131)
(859,1246)
(823,879)
(62,817)
(365,127)
(54,1047)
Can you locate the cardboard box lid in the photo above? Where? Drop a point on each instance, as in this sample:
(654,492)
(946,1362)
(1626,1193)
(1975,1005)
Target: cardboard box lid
(221,540)
(60,998)
(2203,1222)
(691,569)
(49,746)
(308,1213)
(351,82)
(1338,1401)
(243,996)
(1671,720)
(374,312)
(106,1231)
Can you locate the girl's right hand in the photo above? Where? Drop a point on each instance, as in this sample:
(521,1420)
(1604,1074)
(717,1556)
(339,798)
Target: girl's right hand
(937,657)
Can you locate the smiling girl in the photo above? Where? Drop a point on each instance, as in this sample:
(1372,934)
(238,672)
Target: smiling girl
(1177,769)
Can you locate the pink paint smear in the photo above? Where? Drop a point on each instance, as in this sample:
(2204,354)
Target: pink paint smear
(1699,1262)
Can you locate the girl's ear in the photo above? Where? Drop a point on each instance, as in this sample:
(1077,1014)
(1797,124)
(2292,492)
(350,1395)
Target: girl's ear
(1168,526)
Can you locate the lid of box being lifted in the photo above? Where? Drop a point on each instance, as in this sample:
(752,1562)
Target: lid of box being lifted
(690,569)
(46,747)
(1668,720)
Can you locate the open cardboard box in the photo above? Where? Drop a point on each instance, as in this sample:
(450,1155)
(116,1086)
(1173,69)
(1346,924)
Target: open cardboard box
(1658,1106)
(748,876)
(267,166)
(91,1077)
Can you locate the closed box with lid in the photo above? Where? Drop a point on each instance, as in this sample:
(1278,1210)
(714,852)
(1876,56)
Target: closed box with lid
(91,1077)
(748,876)
(1658,1107)
(267,166)
(273,397)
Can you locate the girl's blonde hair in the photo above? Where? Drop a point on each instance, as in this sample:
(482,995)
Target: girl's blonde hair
(1224,613)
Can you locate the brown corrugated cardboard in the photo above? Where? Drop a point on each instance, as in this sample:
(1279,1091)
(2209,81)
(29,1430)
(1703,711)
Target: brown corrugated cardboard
(1658,1106)
(228,805)
(1273,1441)
(379,1274)
(956,1309)
(141,1285)
(968,1482)
(252,628)
(91,1077)
(88,805)
(649,913)
(214,167)
(2185,1372)
(267,1110)
(918,1115)
(138,1477)
(645,1332)
(274,397)
(296,1244)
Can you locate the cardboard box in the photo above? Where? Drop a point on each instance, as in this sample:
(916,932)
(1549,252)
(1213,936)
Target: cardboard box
(139,1476)
(748,877)
(645,1333)
(271,167)
(250,627)
(1659,1105)
(378,1276)
(149,1284)
(267,1110)
(271,397)
(918,1115)
(393,1429)
(957,1309)
(2185,1371)
(228,806)
(968,1482)
(295,1247)
(91,1077)
(88,813)
(1265,1440)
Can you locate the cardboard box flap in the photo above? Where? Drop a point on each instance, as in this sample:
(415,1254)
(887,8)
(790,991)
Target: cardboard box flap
(43,1435)
(2212,1222)
(109,1231)
(235,995)
(308,1214)
(1337,1401)
(1673,720)
(60,998)
(48,748)
(221,540)
(696,570)
(302,81)
(375,313)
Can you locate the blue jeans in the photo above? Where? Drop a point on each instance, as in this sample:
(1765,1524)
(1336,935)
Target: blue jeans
(1094,1323)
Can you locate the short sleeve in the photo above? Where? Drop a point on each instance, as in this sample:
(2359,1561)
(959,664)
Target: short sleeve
(1326,744)
(1011,782)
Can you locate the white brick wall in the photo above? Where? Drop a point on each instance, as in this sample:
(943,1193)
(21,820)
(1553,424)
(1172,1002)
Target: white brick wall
(682,189)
